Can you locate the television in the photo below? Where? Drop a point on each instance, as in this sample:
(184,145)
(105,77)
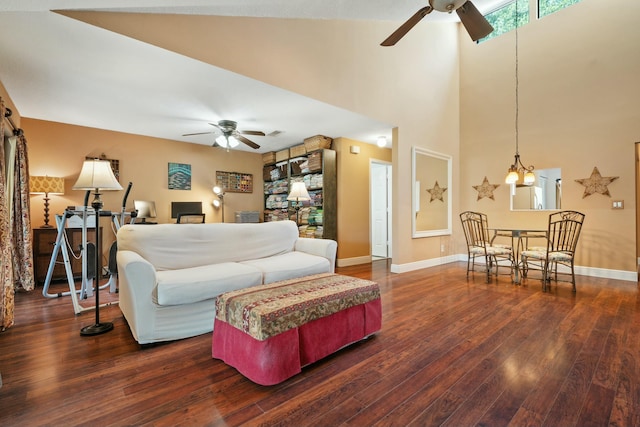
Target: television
(145,209)
(185,208)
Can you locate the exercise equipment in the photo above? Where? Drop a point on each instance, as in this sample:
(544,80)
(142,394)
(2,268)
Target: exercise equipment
(87,254)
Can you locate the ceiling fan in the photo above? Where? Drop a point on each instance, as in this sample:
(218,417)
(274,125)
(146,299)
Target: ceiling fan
(230,135)
(475,24)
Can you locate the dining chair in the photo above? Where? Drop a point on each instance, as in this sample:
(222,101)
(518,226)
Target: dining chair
(562,239)
(476,232)
(190,218)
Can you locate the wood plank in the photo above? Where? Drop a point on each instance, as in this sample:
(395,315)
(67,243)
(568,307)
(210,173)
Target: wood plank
(452,351)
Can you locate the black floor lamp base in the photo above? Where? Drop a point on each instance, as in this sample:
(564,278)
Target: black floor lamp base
(96,329)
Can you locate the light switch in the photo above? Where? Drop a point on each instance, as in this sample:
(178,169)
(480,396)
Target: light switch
(617,204)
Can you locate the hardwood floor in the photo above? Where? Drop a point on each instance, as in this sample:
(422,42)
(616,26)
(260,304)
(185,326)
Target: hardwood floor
(452,351)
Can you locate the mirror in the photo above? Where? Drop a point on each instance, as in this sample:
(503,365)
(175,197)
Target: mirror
(544,194)
(431,193)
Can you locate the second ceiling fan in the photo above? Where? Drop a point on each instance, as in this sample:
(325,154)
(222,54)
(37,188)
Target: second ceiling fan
(476,25)
(229,133)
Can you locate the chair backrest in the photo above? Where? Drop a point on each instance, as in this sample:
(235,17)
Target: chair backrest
(476,229)
(190,218)
(564,231)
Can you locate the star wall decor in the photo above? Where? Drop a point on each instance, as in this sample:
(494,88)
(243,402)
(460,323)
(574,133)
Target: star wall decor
(436,192)
(596,183)
(485,189)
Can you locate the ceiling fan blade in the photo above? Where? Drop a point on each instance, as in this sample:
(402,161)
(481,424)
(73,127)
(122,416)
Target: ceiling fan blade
(246,141)
(197,133)
(476,25)
(215,125)
(252,132)
(404,28)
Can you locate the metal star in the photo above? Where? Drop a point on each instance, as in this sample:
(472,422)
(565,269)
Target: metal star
(596,183)
(486,189)
(436,192)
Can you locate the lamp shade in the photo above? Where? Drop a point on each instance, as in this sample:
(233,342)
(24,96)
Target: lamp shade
(97,174)
(46,185)
(218,191)
(227,141)
(298,192)
(512,177)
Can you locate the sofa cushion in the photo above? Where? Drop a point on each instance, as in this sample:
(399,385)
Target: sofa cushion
(289,266)
(190,285)
(177,246)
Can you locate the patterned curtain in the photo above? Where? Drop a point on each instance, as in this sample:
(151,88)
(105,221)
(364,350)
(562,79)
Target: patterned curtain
(16,255)
(23,276)
(6,260)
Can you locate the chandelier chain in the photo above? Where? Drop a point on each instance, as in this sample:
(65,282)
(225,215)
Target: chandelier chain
(517,79)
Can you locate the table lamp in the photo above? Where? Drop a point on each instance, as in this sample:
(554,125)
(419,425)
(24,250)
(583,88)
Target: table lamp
(46,185)
(97,175)
(298,194)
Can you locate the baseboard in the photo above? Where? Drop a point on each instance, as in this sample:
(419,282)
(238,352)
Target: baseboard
(417,265)
(347,262)
(631,276)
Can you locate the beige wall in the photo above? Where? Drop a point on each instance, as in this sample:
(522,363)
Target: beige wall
(57,149)
(53,150)
(579,92)
(8,103)
(412,86)
(578,104)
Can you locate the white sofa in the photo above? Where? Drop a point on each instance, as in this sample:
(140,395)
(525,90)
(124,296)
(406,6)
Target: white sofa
(170,274)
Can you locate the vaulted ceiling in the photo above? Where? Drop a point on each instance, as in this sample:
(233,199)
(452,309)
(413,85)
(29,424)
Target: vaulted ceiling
(61,69)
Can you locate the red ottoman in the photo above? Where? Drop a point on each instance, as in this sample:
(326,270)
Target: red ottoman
(269,332)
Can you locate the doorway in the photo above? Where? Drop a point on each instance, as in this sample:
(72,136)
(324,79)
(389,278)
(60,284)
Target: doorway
(380,192)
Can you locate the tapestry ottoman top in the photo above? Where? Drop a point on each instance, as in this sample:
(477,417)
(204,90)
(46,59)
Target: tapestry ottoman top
(268,310)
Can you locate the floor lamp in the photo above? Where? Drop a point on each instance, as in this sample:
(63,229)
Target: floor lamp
(97,175)
(298,195)
(46,185)
(220,202)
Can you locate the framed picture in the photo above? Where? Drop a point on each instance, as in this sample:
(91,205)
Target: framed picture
(235,182)
(179,176)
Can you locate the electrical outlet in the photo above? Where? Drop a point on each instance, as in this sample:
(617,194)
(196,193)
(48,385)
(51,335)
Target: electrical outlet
(617,204)
(442,247)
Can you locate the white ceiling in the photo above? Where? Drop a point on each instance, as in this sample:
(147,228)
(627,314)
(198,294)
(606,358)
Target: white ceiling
(52,70)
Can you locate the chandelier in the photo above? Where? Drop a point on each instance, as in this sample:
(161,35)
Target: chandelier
(517,171)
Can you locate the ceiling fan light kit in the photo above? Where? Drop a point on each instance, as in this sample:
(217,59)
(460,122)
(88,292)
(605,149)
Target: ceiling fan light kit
(231,137)
(476,25)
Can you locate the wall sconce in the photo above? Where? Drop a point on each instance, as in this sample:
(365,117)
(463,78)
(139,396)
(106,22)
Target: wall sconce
(298,194)
(219,202)
(46,185)
(382,141)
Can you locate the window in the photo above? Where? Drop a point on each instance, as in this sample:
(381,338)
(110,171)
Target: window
(545,7)
(503,20)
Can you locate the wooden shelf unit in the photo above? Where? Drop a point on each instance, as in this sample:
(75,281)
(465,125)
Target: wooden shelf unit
(322,172)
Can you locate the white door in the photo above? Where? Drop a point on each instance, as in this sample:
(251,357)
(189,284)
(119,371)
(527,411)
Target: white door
(380,209)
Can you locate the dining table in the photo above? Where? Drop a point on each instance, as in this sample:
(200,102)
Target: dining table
(519,242)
